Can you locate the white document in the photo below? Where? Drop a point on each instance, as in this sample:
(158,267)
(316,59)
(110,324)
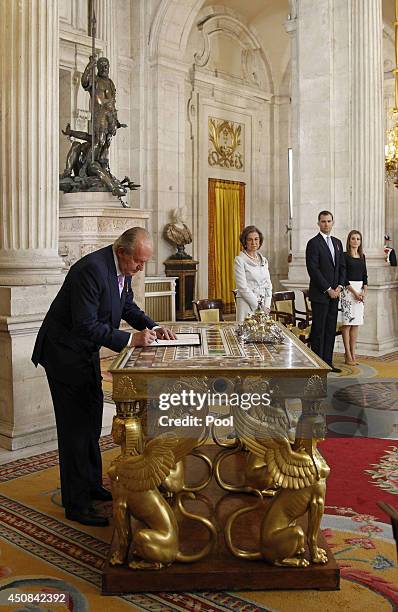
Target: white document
(182,340)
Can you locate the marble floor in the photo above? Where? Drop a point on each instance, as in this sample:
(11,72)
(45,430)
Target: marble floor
(7,456)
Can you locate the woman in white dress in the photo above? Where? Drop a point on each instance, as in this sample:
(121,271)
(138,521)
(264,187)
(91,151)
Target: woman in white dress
(352,298)
(251,274)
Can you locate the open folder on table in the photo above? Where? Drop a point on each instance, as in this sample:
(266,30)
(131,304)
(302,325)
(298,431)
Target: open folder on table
(183,339)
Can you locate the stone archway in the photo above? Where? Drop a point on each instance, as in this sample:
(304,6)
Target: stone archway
(180,177)
(171,27)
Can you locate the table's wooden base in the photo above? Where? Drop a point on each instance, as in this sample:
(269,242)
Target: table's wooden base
(220,570)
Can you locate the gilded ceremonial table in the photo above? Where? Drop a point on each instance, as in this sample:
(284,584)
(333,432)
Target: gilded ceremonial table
(219,483)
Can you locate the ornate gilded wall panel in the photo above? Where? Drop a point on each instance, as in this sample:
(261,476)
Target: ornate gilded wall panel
(226,144)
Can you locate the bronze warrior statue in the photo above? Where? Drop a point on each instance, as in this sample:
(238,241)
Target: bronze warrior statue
(87,163)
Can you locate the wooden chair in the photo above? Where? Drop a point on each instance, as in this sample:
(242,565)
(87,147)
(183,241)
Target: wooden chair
(284,309)
(393,514)
(308,310)
(285,301)
(209,310)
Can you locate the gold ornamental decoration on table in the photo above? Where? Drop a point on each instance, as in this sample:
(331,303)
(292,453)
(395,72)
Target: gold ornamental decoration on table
(297,472)
(259,327)
(136,476)
(225,144)
(260,449)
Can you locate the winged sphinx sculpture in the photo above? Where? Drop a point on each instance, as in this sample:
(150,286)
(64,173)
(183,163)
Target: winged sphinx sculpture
(298,472)
(136,475)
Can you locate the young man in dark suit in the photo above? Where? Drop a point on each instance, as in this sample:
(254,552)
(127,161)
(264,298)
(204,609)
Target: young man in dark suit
(84,316)
(326,269)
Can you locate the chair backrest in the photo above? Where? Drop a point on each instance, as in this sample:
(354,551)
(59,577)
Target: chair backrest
(209,316)
(209,310)
(307,303)
(284,301)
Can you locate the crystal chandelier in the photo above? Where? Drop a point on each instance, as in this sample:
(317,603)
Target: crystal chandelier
(391,148)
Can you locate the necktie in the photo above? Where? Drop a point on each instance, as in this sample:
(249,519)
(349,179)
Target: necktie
(120,281)
(331,247)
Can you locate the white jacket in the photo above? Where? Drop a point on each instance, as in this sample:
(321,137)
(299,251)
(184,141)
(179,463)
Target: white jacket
(252,282)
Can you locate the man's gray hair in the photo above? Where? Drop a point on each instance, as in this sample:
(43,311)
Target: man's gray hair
(128,240)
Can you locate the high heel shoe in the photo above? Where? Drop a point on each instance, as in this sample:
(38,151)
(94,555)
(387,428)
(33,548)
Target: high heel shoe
(348,362)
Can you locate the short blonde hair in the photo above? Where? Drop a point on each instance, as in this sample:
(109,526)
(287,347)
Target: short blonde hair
(128,240)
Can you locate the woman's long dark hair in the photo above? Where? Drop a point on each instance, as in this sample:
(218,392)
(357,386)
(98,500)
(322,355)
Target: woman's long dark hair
(348,247)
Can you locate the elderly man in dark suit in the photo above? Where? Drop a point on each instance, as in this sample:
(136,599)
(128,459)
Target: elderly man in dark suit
(326,269)
(84,316)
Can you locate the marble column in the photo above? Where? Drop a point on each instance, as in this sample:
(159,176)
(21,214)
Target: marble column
(320,120)
(337,134)
(30,268)
(367,120)
(29,142)
(380,331)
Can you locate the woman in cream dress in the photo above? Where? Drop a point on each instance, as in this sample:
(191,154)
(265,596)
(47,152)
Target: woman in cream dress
(251,274)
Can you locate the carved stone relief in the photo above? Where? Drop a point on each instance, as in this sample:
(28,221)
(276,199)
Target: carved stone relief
(253,68)
(71,225)
(117,226)
(87,248)
(70,253)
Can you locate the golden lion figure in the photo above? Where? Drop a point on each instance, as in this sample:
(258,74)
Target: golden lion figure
(299,471)
(135,476)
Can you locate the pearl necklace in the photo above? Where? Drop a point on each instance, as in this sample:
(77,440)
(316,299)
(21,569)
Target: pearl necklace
(255,257)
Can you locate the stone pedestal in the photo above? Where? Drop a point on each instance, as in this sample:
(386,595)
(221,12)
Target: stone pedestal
(92,220)
(26,414)
(185,271)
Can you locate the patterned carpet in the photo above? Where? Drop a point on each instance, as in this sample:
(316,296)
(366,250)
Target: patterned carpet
(44,554)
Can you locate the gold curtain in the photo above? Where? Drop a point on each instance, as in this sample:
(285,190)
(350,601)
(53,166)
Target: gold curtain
(226,218)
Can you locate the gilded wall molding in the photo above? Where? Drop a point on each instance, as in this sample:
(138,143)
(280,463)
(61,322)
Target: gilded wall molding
(226,146)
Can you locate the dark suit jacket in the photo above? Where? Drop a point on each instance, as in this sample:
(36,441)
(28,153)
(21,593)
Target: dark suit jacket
(392,258)
(323,274)
(84,316)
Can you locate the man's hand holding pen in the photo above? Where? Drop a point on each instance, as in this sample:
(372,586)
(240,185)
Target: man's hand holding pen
(144,338)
